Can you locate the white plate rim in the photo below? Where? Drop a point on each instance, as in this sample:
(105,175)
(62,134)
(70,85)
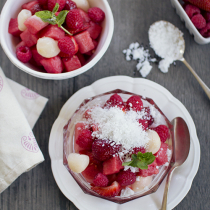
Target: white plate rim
(62,119)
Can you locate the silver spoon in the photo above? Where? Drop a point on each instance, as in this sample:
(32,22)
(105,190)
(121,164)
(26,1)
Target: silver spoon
(181,58)
(181,147)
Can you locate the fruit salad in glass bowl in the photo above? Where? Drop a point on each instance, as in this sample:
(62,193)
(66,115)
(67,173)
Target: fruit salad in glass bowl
(117,146)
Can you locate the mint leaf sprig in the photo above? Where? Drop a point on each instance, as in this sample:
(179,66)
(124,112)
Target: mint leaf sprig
(50,17)
(141,160)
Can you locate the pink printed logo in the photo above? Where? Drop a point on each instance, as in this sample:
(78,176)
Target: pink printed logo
(1,83)
(29,94)
(29,143)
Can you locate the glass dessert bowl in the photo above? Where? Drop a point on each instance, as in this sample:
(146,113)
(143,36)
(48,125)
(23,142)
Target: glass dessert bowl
(117,146)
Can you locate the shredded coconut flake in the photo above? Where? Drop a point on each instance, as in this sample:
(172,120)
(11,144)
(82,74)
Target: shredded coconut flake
(120,127)
(126,192)
(167,42)
(137,52)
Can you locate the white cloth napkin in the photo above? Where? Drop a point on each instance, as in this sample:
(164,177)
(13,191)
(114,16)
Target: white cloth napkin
(19,110)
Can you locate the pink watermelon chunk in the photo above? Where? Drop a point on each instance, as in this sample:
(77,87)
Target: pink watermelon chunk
(94,30)
(72,63)
(37,57)
(21,44)
(52,31)
(81,58)
(33,6)
(112,166)
(90,172)
(92,51)
(84,42)
(35,24)
(28,38)
(13,27)
(52,65)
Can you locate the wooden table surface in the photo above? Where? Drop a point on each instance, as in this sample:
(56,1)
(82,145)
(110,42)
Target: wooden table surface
(37,189)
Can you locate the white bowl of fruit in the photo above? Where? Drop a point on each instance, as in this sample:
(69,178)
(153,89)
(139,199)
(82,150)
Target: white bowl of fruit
(56,39)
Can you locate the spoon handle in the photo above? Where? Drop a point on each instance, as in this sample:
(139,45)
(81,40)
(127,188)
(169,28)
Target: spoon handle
(165,195)
(203,85)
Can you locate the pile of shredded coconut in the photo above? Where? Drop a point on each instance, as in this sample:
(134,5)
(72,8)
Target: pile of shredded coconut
(120,127)
(137,52)
(167,42)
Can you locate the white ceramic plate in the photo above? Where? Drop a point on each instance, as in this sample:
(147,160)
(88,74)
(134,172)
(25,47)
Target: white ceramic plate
(182,177)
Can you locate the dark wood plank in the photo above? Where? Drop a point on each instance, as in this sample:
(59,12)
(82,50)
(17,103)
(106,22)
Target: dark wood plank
(37,189)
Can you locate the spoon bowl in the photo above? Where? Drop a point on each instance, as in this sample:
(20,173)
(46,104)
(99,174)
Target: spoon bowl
(181,147)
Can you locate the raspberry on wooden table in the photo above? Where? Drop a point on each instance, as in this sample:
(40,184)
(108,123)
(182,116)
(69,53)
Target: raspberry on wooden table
(192,10)
(134,103)
(198,21)
(51,4)
(109,191)
(85,139)
(125,178)
(100,180)
(70,5)
(24,54)
(162,131)
(74,19)
(96,14)
(103,150)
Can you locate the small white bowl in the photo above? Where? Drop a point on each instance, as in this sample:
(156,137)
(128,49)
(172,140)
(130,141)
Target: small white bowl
(188,23)
(8,42)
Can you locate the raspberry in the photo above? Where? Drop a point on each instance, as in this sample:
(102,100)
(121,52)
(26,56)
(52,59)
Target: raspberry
(205,32)
(138,149)
(161,155)
(125,178)
(70,5)
(198,21)
(24,54)
(51,4)
(100,180)
(206,15)
(147,116)
(162,131)
(85,139)
(152,169)
(74,19)
(102,149)
(144,124)
(96,14)
(135,103)
(115,100)
(67,46)
(192,10)
(42,2)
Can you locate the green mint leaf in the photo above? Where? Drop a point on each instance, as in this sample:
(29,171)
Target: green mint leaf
(55,9)
(61,17)
(44,15)
(141,160)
